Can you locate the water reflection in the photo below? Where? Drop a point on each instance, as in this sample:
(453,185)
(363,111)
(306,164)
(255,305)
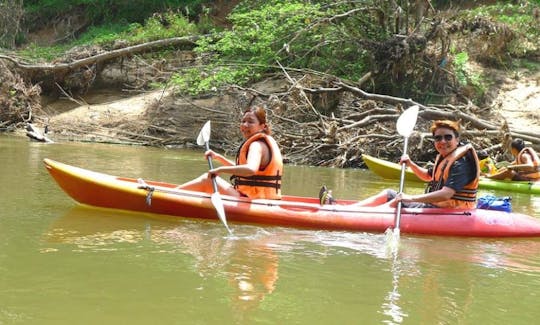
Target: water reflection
(446,273)
(248,262)
(428,280)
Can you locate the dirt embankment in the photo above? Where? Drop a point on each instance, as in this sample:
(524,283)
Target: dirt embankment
(519,103)
(161,118)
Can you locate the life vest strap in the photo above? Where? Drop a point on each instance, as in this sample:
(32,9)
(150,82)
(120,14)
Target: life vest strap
(464,198)
(258,180)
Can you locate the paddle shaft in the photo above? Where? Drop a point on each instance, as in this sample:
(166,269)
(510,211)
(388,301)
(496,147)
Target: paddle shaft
(211,165)
(397,220)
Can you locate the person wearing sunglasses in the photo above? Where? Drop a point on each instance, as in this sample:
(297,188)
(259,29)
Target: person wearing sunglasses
(452,181)
(526,164)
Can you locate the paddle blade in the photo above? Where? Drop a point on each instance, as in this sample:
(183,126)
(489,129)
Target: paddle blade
(204,135)
(407,120)
(220,209)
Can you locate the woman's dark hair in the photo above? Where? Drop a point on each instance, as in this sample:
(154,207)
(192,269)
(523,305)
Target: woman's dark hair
(482,154)
(518,144)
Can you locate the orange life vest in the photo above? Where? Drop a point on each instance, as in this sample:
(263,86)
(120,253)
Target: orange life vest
(466,197)
(536,162)
(266,183)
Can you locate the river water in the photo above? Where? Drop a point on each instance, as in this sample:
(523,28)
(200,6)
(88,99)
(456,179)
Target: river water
(61,263)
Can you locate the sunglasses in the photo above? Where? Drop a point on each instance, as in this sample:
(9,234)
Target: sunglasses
(446,137)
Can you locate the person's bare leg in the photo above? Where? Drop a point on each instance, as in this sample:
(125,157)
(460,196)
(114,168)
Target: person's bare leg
(200,184)
(374,200)
(204,184)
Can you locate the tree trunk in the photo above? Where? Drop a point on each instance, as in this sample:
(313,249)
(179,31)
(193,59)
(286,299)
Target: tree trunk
(11,13)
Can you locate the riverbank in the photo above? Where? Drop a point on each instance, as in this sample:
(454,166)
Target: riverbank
(319,119)
(161,118)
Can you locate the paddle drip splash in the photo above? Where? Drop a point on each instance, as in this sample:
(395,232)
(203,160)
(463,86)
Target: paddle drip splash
(392,239)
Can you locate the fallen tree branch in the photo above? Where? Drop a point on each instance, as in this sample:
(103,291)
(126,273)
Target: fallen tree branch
(88,61)
(432,113)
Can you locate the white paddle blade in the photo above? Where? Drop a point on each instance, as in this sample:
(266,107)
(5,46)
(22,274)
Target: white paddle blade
(407,120)
(204,135)
(220,209)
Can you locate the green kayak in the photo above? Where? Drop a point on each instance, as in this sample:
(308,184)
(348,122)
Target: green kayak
(392,170)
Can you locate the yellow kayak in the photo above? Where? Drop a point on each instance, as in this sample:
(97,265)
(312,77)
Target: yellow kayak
(390,170)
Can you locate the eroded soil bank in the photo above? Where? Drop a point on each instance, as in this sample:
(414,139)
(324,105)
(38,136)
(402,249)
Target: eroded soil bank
(161,118)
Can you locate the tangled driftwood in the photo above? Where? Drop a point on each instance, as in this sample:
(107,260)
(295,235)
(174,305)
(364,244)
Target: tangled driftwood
(365,123)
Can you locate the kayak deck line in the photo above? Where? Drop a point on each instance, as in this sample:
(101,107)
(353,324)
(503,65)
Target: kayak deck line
(339,207)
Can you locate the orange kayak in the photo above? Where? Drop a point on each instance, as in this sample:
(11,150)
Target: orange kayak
(107,191)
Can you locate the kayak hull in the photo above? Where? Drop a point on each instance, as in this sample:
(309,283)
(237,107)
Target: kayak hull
(391,170)
(107,191)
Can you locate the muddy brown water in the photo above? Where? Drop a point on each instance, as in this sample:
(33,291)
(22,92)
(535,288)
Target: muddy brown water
(61,263)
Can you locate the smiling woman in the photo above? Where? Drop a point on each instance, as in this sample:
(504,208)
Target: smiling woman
(258,168)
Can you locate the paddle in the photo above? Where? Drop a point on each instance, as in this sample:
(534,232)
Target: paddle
(203,139)
(405,125)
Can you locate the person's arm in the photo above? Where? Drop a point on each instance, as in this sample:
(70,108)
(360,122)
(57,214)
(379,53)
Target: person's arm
(461,173)
(502,173)
(214,155)
(526,165)
(520,166)
(421,172)
(443,194)
(255,154)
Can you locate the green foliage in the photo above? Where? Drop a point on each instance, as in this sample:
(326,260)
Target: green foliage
(295,34)
(465,76)
(460,67)
(109,11)
(336,38)
(166,25)
(36,53)
(520,18)
(156,27)
(103,34)
(195,81)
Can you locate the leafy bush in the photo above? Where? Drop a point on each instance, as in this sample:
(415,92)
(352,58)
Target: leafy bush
(109,11)
(158,26)
(465,76)
(520,18)
(266,34)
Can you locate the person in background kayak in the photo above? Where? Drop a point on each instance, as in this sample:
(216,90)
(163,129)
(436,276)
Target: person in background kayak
(453,179)
(526,164)
(487,165)
(258,168)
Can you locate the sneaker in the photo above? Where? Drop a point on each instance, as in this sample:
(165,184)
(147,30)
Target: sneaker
(325,196)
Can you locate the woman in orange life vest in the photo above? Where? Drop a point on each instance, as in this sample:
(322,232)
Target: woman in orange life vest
(453,179)
(525,167)
(259,164)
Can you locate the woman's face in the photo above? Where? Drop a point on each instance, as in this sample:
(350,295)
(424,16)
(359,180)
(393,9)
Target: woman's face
(514,151)
(445,141)
(250,125)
